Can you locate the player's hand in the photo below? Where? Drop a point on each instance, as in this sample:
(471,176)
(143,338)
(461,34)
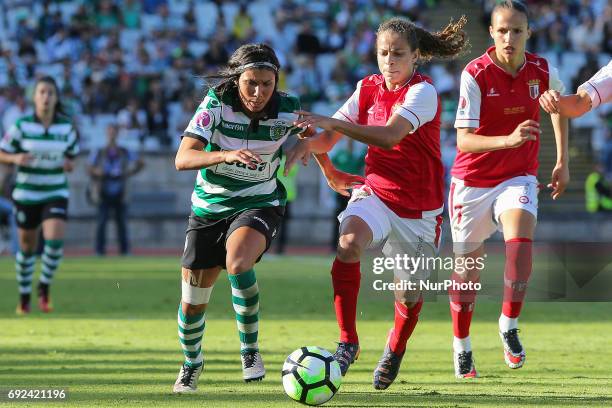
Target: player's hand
(308,120)
(301,152)
(22,159)
(526,131)
(242,155)
(341,182)
(559,180)
(68,165)
(549,101)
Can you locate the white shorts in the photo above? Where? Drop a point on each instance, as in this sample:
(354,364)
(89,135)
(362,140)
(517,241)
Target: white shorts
(399,236)
(475,211)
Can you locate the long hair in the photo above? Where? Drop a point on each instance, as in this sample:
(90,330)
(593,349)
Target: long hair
(446,44)
(227,78)
(515,5)
(59,107)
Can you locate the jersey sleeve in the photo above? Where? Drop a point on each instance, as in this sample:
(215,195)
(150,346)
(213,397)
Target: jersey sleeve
(420,105)
(206,118)
(468,111)
(599,86)
(554,82)
(11,141)
(73,144)
(349,112)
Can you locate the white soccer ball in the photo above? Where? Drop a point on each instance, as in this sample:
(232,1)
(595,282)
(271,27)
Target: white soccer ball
(311,375)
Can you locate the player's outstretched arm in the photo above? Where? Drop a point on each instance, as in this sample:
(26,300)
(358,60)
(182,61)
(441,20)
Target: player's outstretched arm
(381,136)
(191,156)
(560,175)
(337,180)
(571,106)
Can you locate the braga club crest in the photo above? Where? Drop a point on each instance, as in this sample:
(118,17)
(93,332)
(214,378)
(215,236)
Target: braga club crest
(534,88)
(278,130)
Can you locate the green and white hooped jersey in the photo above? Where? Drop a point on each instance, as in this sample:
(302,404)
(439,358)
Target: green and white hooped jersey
(42,179)
(225,189)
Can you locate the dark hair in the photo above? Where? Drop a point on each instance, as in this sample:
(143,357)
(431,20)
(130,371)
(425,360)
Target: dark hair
(58,108)
(227,77)
(448,43)
(516,5)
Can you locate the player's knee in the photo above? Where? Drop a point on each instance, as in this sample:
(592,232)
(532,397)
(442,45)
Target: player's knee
(349,248)
(237,265)
(191,310)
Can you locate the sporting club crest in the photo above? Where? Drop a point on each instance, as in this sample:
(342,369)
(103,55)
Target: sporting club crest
(278,130)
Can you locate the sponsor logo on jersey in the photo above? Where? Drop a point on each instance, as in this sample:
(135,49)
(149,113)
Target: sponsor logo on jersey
(233,126)
(524,199)
(534,88)
(278,130)
(515,110)
(492,92)
(57,210)
(462,102)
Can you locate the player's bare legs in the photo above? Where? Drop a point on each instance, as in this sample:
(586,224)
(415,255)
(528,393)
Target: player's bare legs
(518,227)
(462,308)
(355,236)
(244,246)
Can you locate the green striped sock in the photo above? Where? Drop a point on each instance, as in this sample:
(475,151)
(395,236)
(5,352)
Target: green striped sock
(24,266)
(53,253)
(190,332)
(245,297)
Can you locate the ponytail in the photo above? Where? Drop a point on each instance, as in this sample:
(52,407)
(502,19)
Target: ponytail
(448,43)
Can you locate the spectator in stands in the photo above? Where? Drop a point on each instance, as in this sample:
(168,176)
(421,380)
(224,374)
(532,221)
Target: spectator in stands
(157,122)
(132,121)
(598,194)
(110,169)
(15,111)
(6,205)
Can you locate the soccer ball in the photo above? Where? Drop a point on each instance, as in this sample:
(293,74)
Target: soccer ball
(311,375)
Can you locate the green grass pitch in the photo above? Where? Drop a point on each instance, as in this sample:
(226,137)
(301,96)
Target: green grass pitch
(112,341)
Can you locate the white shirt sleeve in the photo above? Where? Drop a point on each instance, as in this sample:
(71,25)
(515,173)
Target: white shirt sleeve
(206,117)
(349,112)
(420,105)
(599,86)
(11,142)
(554,82)
(468,111)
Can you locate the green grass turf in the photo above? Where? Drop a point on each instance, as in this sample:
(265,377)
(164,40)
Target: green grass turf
(112,342)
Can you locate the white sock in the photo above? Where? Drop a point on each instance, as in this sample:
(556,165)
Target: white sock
(463,344)
(507,323)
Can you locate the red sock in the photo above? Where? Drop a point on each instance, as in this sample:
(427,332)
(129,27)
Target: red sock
(405,322)
(346,278)
(516,275)
(461,309)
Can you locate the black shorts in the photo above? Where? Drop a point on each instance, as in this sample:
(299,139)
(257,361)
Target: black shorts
(31,216)
(206,238)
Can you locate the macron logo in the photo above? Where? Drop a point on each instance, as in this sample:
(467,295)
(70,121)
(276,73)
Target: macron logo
(493,92)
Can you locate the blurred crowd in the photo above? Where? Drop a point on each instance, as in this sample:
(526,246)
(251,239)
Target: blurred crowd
(139,63)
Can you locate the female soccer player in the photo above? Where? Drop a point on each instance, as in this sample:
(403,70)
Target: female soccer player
(397,113)
(594,92)
(234,142)
(494,182)
(42,146)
